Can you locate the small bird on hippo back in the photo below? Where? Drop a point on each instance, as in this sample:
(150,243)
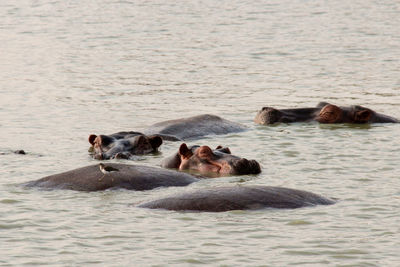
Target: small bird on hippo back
(106,170)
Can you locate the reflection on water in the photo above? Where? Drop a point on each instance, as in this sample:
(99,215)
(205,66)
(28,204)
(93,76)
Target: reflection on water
(72,69)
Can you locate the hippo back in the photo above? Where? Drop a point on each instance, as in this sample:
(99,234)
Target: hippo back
(194,127)
(239,198)
(132,177)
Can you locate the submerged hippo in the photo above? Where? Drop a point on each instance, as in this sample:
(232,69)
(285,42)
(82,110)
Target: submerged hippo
(194,127)
(97,177)
(323,113)
(210,162)
(239,198)
(123,145)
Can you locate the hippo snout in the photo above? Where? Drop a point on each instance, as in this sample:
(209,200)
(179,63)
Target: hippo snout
(244,166)
(268,115)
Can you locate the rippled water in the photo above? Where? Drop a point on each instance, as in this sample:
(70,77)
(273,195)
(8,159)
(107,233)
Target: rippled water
(72,68)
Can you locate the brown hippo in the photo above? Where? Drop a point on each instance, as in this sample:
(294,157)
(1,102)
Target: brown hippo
(323,113)
(123,145)
(112,175)
(194,127)
(239,198)
(210,162)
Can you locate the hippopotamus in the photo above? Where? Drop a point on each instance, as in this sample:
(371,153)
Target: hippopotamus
(208,162)
(238,198)
(111,176)
(194,127)
(126,144)
(322,113)
(123,145)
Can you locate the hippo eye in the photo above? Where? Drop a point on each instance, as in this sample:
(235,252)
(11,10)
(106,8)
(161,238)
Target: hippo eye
(204,152)
(203,155)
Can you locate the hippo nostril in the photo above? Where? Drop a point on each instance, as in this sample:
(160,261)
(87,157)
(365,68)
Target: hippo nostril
(243,161)
(239,164)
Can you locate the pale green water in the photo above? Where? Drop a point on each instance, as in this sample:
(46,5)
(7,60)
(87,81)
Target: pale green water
(72,68)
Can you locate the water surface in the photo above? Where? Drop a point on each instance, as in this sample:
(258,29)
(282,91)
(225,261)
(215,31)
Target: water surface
(72,68)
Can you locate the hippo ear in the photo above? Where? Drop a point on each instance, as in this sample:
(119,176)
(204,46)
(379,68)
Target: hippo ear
(155,141)
(330,114)
(91,139)
(322,104)
(218,147)
(184,151)
(363,115)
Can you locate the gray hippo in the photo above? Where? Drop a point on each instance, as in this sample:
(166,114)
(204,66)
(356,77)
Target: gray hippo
(194,127)
(323,113)
(111,176)
(209,162)
(123,145)
(238,198)
(126,144)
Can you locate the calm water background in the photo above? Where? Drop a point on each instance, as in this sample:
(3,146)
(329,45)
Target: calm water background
(72,68)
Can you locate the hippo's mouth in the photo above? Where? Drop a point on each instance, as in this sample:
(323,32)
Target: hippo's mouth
(244,166)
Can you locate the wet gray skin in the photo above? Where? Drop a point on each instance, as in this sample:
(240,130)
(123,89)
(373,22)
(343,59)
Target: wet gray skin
(131,177)
(323,113)
(123,145)
(194,127)
(126,144)
(238,198)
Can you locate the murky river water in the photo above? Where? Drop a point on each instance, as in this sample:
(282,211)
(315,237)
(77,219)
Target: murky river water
(72,68)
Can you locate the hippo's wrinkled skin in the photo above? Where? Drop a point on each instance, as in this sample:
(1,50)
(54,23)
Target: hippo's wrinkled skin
(194,127)
(132,177)
(123,145)
(239,198)
(210,162)
(323,113)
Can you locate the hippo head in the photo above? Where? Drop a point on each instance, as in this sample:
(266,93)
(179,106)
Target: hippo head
(359,114)
(210,162)
(109,147)
(334,114)
(268,115)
